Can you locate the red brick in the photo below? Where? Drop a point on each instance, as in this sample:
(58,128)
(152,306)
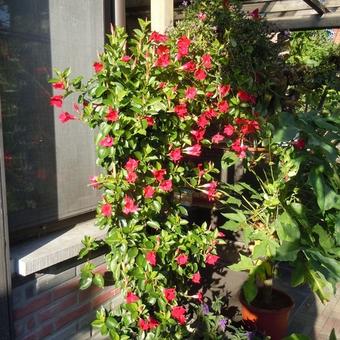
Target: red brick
(19,329)
(59,307)
(30,324)
(45,331)
(101,269)
(65,288)
(32,305)
(103,297)
(72,315)
(41,333)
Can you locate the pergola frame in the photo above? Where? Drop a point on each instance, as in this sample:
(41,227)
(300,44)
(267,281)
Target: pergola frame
(297,14)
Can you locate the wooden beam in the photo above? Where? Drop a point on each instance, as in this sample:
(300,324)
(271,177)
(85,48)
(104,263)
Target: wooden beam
(162,15)
(5,272)
(317,6)
(328,20)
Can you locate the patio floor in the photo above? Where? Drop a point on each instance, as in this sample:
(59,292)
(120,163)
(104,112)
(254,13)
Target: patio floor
(309,316)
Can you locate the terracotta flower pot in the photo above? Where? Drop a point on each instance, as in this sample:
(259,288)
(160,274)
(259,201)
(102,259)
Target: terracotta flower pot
(272,321)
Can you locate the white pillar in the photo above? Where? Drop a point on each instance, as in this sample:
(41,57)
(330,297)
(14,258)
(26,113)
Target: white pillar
(162,15)
(120,16)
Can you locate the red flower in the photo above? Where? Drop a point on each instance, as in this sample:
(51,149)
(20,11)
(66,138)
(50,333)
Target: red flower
(59,85)
(94,182)
(181,110)
(183,44)
(162,49)
(131,298)
(131,177)
(182,259)
(209,94)
(229,130)
(190,93)
(106,141)
(178,313)
(223,106)
(248,126)
(198,134)
(239,148)
(98,67)
(158,38)
(151,258)
(210,113)
(202,121)
(200,296)
(106,210)
(200,74)
(153,323)
(194,150)
(190,66)
(196,278)
(148,191)
(129,205)
(112,115)
(131,165)
(56,101)
(150,120)
(65,117)
(175,154)
(163,60)
(210,190)
(159,174)
(202,16)
(162,84)
(206,60)
(143,325)
(221,234)
(299,144)
(126,58)
(170,294)
(166,185)
(211,259)
(246,97)
(217,138)
(200,169)
(255,14)
(224,90)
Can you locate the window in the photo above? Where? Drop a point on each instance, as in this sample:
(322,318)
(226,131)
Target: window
(47,163)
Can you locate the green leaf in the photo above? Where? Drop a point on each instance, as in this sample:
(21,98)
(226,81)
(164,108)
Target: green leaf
(85,282)
(318,185)
(249,289)
(245,263)
(239,217)
(298,274)
(296,336)
(153,224)
(132,252)
(332,336)
(288,251)
(111,322)
(98,280)
(325,240)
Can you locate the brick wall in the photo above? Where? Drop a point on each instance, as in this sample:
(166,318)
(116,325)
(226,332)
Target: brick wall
(51,306)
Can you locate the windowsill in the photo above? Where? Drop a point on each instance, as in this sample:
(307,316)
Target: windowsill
(35,255)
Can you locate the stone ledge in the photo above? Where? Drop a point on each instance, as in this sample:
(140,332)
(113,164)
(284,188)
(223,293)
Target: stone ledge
(35,255)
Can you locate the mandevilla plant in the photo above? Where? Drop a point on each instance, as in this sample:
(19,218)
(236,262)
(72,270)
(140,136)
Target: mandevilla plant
(156,101)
